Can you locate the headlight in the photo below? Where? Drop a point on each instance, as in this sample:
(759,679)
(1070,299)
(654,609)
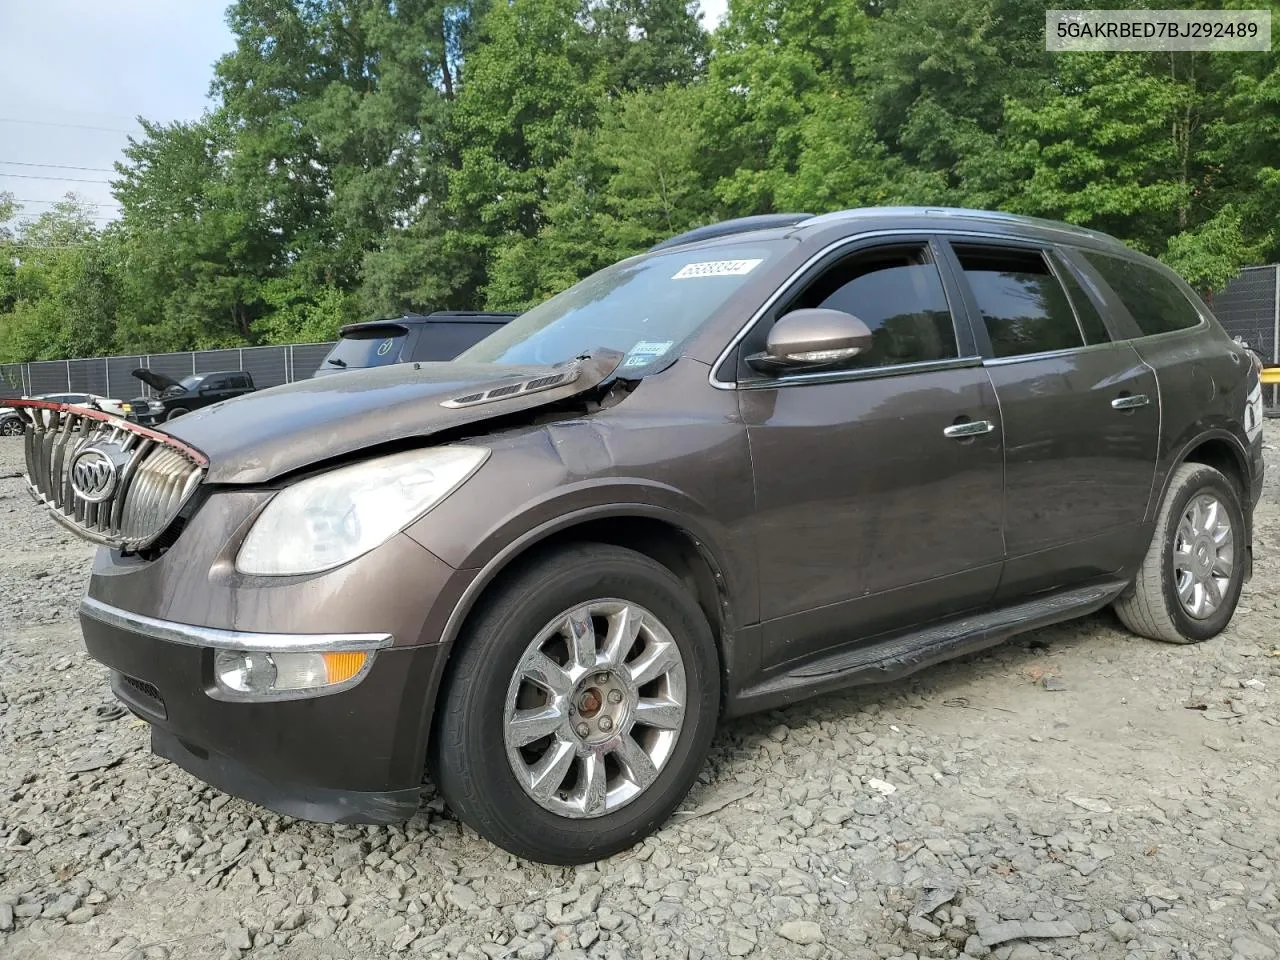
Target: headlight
(255,675)
(323,522)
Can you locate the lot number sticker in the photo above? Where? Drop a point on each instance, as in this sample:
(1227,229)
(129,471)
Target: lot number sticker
(646,351)
(716,268)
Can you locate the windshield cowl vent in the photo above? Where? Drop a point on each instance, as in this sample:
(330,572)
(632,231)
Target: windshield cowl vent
(508,390)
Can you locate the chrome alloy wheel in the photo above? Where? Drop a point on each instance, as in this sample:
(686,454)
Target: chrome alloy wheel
(595,708)
(1203,556)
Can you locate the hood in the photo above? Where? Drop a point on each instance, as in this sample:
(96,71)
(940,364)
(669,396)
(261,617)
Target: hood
(156,381)
(259,436)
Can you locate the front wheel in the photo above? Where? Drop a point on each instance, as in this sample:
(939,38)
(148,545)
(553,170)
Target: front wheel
(175,413)
(580,706)
(12,427)
(1190,580)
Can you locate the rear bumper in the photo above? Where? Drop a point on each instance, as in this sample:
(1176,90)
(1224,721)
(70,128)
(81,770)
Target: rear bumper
(355,756)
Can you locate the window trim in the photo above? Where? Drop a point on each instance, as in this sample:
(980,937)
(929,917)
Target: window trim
(827,256)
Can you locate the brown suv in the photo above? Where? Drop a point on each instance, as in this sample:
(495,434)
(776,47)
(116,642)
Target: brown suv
(719,477)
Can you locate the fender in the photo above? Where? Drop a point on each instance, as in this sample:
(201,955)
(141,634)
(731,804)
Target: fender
(1216,433)
(492,563)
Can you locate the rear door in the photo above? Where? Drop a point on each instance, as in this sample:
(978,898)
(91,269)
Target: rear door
(1080,410)
(878,486)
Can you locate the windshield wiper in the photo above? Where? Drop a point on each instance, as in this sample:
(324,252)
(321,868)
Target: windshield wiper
(336,361)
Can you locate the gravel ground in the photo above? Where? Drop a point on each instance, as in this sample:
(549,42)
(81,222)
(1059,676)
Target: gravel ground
(1076,792)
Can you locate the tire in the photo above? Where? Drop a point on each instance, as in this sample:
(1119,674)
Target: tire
(174,413)
(12,427)
(1153,608)
(473,759)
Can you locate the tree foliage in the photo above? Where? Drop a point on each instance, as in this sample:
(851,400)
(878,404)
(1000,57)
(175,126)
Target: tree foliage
(364,157)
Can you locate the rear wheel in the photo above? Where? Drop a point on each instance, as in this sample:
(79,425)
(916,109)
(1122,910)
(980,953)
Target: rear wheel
(1189,584)
(12,427)
(580,706)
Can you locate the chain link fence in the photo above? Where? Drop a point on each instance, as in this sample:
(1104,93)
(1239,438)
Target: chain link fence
(113,376)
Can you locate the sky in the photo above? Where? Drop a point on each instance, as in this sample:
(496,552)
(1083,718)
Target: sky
(74,75)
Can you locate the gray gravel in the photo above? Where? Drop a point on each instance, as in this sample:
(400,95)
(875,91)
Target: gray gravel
(1128,808)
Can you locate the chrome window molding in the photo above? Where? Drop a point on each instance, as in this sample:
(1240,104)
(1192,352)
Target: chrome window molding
(713,375)
(861,373)
(190,635)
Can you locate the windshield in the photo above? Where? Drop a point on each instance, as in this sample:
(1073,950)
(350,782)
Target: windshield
(644,307)
(370,347)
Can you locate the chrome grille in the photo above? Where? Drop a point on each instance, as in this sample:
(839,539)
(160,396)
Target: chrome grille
(108,480)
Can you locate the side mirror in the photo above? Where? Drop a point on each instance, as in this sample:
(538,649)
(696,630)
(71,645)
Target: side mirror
(812,338)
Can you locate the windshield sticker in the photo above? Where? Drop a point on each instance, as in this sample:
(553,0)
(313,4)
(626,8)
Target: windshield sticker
(717,268)
(385,346)
(646,351)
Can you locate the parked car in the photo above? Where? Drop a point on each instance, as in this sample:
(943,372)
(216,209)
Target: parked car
(711,479)
(178,397)
(12,424)
(413,337)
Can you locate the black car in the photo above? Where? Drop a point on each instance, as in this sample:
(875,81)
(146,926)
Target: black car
(413,337)
(176,397)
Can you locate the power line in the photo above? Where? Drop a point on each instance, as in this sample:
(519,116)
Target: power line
(93,203)
(34,176)
(70,126)
(55,166)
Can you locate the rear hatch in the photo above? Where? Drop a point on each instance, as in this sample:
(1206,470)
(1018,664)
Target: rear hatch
(364,345)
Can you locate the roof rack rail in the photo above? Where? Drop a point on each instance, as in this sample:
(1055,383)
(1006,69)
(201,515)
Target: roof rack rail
(724,228)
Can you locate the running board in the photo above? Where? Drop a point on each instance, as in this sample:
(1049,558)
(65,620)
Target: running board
(903,654)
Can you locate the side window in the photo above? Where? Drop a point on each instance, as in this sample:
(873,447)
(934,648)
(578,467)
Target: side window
(1091,322)
(444,340)
(215,383)
(240,382)
(898,294)
(1024,308)
(1153,300)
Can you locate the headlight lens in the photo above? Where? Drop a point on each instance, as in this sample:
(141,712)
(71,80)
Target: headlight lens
(325,521)
(256,675)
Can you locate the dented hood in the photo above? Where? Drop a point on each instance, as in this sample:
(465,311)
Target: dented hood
(263,435)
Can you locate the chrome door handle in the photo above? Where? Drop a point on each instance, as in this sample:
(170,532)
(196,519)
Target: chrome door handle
(1131,402)
(974,428)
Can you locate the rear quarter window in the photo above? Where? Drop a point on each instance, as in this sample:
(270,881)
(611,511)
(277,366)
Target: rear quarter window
(1154,301)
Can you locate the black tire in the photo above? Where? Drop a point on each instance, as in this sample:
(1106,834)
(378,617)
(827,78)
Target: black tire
(468,758)
(175,412)
(1152,608)
(12,427)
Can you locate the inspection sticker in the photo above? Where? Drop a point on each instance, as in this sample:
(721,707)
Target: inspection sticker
(646,351)
(717,268)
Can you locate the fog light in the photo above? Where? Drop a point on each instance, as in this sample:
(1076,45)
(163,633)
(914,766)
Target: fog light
(257,675)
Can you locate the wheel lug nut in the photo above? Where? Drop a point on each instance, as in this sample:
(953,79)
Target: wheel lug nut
(606,724)
(583,730)
(615,696)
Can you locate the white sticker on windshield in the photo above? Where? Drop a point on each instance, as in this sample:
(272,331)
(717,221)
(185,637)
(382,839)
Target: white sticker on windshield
(717,268)
(646,351)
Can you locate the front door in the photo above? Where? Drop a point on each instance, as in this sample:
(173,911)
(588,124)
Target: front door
(1081,418)
(878,486)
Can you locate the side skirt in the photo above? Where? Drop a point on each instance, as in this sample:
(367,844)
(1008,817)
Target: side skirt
(902,654)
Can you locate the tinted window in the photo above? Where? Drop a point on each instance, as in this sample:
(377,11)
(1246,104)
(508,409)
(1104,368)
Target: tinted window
(444,340)
(898,294)
(370,347)
(215,383)
(240,381)
(1023,306)
(1154,302)
(1095,328)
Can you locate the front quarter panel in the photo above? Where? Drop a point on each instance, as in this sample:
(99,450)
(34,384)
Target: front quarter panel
(673,450)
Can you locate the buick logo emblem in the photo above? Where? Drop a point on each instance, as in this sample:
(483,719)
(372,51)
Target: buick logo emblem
(93,475)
